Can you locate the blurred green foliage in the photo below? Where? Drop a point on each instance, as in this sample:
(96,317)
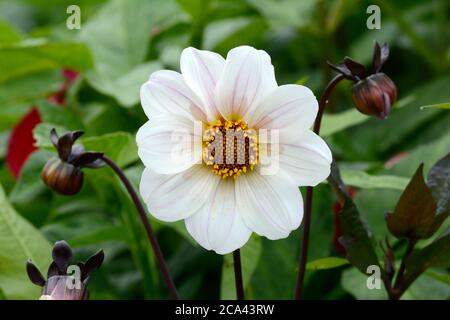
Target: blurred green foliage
(120,43)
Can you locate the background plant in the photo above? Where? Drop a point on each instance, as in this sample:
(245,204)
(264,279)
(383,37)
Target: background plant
(120,43)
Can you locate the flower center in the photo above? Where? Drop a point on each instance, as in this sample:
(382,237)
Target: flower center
(230,147)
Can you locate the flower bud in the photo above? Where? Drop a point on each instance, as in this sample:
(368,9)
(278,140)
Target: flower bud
(63,288)
(64,174)
(65,281)
(373,92)
(62,177)
(375,95)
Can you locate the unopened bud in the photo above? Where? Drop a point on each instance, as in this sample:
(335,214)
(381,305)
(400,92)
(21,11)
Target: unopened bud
(64,174)
(60,288)
(64,281)
(375,95)
(62,177)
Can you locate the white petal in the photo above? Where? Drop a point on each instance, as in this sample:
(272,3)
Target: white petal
(271,206)
(306,161)
(166,91)
(217,225)
(248,76)
(175,197)
(288,106)
(169,144)
(201,70)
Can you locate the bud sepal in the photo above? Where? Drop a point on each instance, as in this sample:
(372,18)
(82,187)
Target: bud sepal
(64,174)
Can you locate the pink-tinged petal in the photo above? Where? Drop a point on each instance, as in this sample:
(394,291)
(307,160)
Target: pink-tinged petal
(218,225)
(166,92)
(271,205)
(306,161)
(169,144)
(201,70)
(178,196)
(248,76)
(290,108)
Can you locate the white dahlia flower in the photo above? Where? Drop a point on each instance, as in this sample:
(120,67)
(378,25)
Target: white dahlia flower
(225,189)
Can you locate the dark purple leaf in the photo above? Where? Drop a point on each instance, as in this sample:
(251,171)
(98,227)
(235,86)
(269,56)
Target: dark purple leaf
(414,214)
(54,138)
(77,150)
(62,254)
(384,54)
(92,264)
(435,255)
(96,164)
(380,55)
(376,58)
(439,183)
(53,270)
(87,158)
(356,237)
(34,274)
(356,68)
(66,142)
(386,106)
(342,69)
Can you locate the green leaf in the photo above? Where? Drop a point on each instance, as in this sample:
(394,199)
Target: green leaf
(27,57)
(286,13)
(250,255)
(435,255)
(444,277)
(356,237)
(41,134)
(126,87)
(115,233)
(332,123)
(30,184)
(363,180)
(119,37)
(119,146)
(438,106)
(8,34)
(27,89)
(425,288)
(326,263)
(415,212)
(355,283)
(218,31)
(19,241)
(4,138)
(63,117)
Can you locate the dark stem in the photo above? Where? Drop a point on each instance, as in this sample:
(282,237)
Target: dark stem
(148,228)
(401,271)
(309,192)
(238,274)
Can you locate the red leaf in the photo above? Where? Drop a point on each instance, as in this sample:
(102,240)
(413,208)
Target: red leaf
(21,142)
(337,208)
(70,74)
